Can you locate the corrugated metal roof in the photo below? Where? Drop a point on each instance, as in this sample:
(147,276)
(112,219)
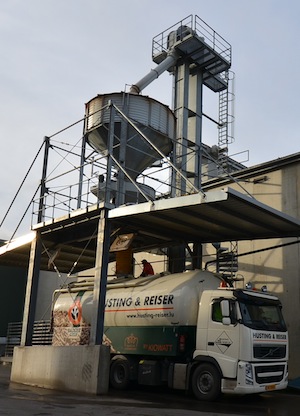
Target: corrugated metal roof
(221,215)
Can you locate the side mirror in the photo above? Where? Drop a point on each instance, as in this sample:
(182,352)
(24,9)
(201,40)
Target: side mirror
(225,307)
(225,312)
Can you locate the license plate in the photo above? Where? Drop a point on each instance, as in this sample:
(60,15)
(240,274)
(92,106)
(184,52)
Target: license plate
(271,387)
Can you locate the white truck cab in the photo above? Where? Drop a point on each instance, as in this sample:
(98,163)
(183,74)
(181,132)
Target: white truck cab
(243,334)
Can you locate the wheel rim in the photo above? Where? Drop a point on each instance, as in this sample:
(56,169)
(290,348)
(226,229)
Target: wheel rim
(120,374)
(205,383)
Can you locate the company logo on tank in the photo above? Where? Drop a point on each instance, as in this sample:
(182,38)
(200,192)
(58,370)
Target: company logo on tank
(154,300)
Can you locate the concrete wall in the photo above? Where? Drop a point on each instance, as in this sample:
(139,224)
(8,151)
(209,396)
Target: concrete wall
(83,369)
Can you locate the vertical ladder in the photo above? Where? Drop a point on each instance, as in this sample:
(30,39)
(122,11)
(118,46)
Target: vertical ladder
(226,118)
(227,262)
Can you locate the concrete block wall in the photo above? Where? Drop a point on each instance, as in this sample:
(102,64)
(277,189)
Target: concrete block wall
(83,368)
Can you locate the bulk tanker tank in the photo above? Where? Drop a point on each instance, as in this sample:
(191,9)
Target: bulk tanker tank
(138,312)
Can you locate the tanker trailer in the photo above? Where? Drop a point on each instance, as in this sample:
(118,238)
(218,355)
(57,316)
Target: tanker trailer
(184,330)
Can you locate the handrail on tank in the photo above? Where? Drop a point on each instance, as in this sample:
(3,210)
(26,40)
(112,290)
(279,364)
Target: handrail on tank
(124,282)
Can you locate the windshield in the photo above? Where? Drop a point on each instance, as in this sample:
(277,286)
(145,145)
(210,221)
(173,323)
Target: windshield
(262,316)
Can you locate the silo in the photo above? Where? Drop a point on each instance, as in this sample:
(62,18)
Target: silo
(131,150)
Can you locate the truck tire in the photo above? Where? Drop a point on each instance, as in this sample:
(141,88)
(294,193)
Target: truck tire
(119,375)
(206,382)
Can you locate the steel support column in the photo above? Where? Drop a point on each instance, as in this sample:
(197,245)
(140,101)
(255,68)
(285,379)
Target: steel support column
(81,170)
(101,266)
(35,261)
(31,291)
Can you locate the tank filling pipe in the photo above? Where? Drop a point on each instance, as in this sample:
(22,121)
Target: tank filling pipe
(170,60)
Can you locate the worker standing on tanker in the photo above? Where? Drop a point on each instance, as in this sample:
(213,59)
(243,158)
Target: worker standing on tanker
(147,269)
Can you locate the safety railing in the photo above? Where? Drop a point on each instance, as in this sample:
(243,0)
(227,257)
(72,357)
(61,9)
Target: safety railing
(42,335)
(195,26)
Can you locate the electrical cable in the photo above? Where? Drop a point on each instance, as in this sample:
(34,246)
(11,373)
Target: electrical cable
(81,254)
(22,183)
(23,216)
(267,248)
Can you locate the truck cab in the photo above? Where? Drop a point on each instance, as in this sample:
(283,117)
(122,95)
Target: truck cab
(242,340)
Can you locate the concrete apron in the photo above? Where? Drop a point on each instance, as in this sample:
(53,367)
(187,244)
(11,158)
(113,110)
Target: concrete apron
(82,368)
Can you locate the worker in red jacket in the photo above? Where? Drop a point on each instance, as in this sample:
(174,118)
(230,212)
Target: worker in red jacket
(147,269)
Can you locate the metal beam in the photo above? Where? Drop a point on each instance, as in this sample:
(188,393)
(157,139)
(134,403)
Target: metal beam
(31,291)
(101,266)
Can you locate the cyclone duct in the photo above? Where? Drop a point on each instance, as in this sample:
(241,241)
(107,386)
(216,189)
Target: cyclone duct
(132,154)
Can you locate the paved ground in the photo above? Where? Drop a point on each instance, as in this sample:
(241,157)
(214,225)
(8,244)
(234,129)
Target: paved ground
(19,400)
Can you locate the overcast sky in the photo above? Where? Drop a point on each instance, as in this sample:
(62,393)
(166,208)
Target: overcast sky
(58,54)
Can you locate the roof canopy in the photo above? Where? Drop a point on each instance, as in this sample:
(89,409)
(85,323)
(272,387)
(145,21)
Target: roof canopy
(217,216)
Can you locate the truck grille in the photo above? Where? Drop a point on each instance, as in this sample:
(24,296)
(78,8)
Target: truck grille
(269,374)
(269,352)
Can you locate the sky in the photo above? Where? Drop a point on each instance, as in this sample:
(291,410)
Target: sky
(56,55)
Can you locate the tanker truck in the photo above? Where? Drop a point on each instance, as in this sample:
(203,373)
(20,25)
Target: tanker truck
(187,331)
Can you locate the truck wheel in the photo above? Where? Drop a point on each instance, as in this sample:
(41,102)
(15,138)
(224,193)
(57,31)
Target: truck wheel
(206,382)
(119,374)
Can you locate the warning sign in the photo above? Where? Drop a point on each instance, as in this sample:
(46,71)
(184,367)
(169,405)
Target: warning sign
(223,342)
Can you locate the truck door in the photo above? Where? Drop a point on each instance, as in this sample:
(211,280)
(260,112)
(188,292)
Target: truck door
(223,337)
